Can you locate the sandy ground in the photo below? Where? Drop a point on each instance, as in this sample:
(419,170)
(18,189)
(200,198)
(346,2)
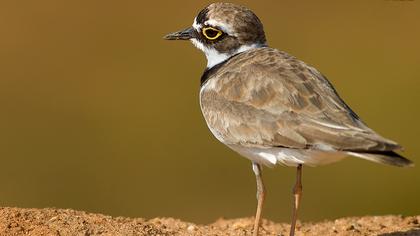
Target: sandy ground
(16,221)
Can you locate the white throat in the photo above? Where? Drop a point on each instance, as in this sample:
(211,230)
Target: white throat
(214,57)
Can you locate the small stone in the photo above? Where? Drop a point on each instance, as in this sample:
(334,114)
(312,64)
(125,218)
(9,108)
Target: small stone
(191,228)
(13,225)
(239,225)
(351,227)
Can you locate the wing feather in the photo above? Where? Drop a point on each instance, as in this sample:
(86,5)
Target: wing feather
(267,98)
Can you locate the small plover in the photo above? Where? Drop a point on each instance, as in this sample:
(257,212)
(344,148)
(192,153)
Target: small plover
(271,107)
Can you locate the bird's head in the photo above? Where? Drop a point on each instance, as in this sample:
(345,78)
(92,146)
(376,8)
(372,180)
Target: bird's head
(222,30)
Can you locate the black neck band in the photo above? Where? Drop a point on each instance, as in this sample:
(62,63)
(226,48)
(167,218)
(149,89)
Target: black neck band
(210,71)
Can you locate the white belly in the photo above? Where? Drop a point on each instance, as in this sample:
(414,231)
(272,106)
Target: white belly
(271,156)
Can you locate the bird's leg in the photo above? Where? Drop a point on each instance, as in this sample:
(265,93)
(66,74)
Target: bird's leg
(297,193)
(260,196)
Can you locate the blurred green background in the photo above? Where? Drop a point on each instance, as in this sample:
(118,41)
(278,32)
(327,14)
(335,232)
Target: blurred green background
(98,113)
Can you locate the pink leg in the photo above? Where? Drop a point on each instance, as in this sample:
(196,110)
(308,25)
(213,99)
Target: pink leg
(260,196)
(297,193)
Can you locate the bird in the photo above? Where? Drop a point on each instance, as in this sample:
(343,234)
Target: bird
(271,107)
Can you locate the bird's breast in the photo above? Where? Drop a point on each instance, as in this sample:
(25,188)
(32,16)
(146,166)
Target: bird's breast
(212,109)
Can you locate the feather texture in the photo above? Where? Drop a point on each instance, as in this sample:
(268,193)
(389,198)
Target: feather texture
(265,98)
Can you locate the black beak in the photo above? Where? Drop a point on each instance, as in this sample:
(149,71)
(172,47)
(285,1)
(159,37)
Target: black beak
(185,34)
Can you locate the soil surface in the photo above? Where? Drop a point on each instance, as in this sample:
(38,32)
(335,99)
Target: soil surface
(16,221)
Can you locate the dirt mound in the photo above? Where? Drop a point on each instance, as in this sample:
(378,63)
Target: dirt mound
(16,221)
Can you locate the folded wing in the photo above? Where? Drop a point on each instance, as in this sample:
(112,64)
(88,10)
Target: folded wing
(267,98)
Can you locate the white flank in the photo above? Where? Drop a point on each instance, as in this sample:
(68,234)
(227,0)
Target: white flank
(269,157)
(288,156)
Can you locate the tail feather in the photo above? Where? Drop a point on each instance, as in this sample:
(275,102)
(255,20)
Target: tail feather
(384,157)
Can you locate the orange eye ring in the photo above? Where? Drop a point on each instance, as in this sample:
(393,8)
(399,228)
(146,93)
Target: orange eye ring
(211,33)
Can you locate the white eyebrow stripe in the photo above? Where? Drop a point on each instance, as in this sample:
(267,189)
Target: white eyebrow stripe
(220,25)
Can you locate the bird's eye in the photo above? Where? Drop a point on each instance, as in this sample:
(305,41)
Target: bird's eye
(211,33)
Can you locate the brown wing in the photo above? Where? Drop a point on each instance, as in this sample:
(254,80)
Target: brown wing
(265,97)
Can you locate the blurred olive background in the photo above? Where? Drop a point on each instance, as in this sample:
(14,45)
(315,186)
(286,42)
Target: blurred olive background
(99,113)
